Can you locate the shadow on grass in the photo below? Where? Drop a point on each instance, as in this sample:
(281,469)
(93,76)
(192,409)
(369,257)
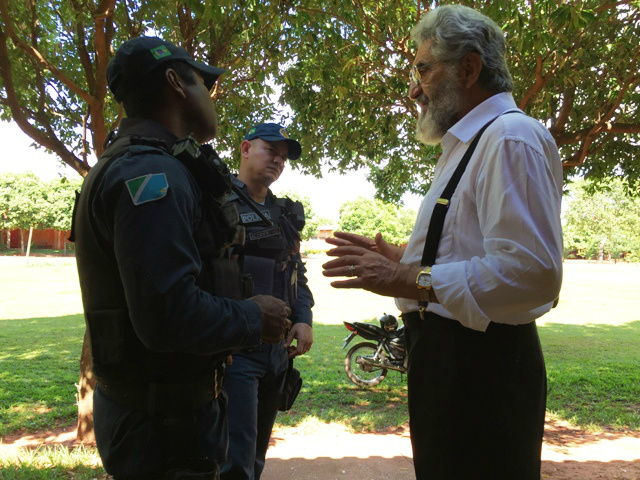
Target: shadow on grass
(329,396)
(594,373)
(39,366)
(593,370)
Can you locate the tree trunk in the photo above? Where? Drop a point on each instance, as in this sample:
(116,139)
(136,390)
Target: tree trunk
(86,385)
(21,241)
(601,249)
(29,243)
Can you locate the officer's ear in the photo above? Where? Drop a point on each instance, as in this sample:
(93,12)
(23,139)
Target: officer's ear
(244,148)
(175,83)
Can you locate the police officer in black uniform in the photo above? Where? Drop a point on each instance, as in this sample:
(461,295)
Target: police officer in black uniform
(163,305)
(271,256)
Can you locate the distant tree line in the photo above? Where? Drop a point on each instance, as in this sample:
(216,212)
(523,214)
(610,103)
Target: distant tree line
(602,221)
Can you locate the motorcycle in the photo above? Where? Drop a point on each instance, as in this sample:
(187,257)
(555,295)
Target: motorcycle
(367,363)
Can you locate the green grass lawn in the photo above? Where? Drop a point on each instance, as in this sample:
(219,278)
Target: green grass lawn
(39,358)
(591,344)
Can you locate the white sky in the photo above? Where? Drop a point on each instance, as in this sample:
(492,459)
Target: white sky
(326,194)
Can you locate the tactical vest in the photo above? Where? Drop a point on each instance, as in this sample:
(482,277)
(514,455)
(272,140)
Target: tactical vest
(117,352)
(269,251)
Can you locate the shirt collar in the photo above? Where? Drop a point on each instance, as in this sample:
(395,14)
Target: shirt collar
(144,127)
(467,128)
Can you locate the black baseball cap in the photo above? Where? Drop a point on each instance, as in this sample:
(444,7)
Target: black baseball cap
(272,132)
(138,57)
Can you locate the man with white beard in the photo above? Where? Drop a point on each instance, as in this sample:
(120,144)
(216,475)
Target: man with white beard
(483,262)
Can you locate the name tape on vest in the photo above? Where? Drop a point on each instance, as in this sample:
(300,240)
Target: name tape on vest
(268,232)
(253,217)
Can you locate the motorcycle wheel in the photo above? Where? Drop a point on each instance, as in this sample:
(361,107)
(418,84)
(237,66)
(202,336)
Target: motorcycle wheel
(355,372)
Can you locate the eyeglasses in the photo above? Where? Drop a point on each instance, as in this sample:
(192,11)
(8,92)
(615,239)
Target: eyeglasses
(420,71)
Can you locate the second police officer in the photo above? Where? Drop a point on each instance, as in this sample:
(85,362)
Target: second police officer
(271,256)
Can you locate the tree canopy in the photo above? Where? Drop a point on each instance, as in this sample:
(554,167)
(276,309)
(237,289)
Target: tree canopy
(23,202)
(26,201)
(368,217)
(339,70)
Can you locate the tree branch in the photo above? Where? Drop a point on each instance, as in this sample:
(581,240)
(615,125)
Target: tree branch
(540,82)
(11,100)
(103,21)
(560,122)
(581,135)
(36,55)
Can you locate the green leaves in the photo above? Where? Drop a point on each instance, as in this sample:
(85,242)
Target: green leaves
(602,217)
(368,217)
(27,202)
(334,72)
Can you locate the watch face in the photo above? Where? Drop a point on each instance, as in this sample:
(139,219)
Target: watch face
(424,280)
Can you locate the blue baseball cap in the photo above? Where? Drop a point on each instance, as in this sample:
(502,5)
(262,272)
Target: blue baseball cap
(272,132)
(138,57)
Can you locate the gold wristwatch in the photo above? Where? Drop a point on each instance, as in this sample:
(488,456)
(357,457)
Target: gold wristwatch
(423,282)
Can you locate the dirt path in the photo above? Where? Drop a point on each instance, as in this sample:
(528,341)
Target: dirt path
(314,451)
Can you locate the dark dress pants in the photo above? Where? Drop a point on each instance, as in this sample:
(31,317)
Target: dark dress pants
(476,400)
(137,446)
(253,383)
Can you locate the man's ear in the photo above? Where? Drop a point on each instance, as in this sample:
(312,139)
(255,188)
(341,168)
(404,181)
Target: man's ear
(175,82)
(244,148)
(470,69)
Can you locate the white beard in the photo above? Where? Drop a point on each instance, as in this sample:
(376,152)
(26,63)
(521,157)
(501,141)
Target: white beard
(442,111)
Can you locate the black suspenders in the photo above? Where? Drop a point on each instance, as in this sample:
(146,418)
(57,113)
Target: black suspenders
(441,208)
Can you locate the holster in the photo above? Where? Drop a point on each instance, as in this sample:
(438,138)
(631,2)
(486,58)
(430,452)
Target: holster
(291,389)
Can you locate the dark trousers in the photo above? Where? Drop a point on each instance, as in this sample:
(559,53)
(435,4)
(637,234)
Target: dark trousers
(253,383)
(476,400)
(137,446)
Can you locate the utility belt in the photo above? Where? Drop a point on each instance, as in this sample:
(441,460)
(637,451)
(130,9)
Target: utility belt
(164,398)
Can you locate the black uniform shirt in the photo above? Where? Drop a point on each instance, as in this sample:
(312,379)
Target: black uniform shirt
(147,207)
(302,304)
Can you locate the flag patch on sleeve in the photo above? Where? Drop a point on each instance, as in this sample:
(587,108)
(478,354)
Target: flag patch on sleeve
(147,188)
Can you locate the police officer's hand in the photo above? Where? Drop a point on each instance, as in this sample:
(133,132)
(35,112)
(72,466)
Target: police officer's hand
(302,333)
(274,312)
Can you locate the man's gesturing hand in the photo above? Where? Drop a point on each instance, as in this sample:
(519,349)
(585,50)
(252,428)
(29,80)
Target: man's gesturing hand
(275,322)
(370,271)
(379,244)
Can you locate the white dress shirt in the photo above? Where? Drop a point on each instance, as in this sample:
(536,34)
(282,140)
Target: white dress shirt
(500,254)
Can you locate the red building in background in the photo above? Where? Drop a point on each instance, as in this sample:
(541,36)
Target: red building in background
(46,238)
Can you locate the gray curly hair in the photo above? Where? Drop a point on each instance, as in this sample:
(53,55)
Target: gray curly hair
(456,30)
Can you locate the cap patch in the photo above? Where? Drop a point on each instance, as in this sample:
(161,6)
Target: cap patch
(160,52)
(283,133)
(147,188)
(252,131)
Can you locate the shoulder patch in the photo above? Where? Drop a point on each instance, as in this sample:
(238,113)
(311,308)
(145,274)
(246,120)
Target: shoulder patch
(147,188)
